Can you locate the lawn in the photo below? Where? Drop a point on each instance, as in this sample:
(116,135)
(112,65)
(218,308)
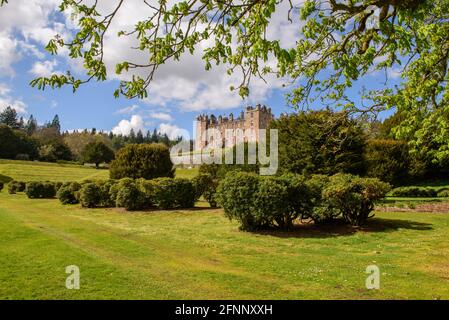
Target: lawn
(199,254)
(41,171)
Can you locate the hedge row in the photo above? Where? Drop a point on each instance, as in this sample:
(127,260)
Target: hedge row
(422,192)
(259,202)
(164,193)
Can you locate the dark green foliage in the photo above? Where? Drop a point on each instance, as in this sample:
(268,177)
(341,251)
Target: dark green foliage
(1,186)
(322,142)
(387,160)
(16,186)
(129,196)
(90,195)
(8,117)
(66,195)
(39,190)
(258,202)
(205,185)
(236,195)
(5,179)
(97,152)
(210,193)
(13,143)
(413,192)
(173,193)
(271,203)
(354,197)
(142,161)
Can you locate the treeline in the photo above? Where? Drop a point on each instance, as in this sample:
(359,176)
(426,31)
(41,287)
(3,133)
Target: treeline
(327,142)
(27,140)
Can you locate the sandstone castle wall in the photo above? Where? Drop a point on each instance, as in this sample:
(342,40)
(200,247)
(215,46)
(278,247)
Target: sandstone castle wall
(255,118)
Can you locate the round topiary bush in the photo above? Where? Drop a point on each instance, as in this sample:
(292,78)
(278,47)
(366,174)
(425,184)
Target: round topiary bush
(130,197)
(173,193)
(236,195)
(66,195)
(90,195)
(16,186)
(354,197)
(38,190)
(146,161)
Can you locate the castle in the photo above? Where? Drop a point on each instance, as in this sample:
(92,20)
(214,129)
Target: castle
(252,118)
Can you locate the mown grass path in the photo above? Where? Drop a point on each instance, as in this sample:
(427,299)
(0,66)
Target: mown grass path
(199,254)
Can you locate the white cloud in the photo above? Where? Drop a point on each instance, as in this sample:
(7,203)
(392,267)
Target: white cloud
(173,131)
(8,54)
(124,127)
(161,116)
(44,68)
(127,110)
(7,100)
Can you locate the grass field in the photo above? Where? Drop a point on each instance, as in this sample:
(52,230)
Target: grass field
(41,171)
(199,254)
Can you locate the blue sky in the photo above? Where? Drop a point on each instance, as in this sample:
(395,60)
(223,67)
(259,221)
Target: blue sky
(181,90)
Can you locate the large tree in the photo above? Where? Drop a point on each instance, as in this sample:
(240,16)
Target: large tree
(97,152)
(341,41)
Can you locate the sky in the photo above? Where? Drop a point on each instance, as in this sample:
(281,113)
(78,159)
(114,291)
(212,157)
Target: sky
(180,92)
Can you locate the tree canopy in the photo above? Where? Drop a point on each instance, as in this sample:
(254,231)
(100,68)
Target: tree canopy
(340,42)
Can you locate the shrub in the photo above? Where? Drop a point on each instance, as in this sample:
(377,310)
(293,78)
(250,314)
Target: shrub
(413,192)
(147,161)
(444,193)
(90,195)
(1,186)
(205,185)
(354,197)
(173,193)
(271,203)
(322,211)
(210,193)
(37,190)
(66,195)
(16,186)
(105,193)
(236,195)
(129,196)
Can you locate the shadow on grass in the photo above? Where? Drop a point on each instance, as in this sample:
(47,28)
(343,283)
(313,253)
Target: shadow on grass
(5,179)
(339,228)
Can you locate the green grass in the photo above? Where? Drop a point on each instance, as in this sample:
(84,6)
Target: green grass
(42,171)
(199,254)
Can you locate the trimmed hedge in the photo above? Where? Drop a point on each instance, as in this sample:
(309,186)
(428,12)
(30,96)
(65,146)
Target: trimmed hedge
(169,193)
(39,190)
(16,186)
(129,196)
(423,192)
